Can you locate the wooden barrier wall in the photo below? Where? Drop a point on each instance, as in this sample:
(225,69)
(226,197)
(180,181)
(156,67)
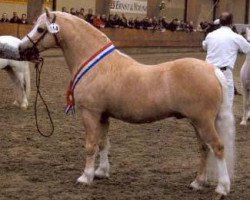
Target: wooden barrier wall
(127,37)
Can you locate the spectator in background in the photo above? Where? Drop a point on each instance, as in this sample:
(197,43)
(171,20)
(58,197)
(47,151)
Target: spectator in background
(138,23)
(154,23)
(173,25)
(163,24)
(145,23)
(123,21)
(77,12)
(64,9)
(204,25)
(130,23)
(111,21)
(210,27)
(182,26)
(72,11)
(82,13)
(97,22)
(104,19)
(15,18)
(189,26)
(4,18)
(89,17)
(23,19)
(117,21)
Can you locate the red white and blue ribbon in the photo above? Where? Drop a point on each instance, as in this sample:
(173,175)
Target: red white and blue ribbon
(85,67)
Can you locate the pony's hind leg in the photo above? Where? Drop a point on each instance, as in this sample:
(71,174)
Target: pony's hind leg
(201,178)
(246,104)
(93,129)
(210,137)
(103,169)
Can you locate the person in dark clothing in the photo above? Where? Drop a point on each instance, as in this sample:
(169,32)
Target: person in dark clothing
(111,22)
(145,23)
(138,23)
(23,19)
(173,25)
(130,23)
(117,21)
(64,9)
(89,17)
(81,13)
(189,26)
(123,21)
(4,18)
(155,23)
(163,24)
(72,11)
(15,18)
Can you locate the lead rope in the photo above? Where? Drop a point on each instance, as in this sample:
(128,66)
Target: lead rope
(38,67)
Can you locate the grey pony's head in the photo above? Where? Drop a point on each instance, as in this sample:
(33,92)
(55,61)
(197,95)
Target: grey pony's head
(13,53)
(29,54)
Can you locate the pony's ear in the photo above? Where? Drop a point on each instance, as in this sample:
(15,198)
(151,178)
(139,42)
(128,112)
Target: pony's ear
(47,13)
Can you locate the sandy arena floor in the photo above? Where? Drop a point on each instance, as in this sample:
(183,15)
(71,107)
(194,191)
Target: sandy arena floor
(154,161)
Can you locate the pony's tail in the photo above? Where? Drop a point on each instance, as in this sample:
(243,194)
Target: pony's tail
(225,126)
(27,79)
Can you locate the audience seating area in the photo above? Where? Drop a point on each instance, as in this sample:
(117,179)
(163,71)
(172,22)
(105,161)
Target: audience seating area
(127,37)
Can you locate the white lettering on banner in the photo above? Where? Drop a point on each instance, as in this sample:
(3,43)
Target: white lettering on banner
(129,6)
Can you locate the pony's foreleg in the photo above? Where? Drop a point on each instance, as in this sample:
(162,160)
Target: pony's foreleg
(93,129)
(19,91)
(246,105)
(16,86)
(104,145)
(201,177)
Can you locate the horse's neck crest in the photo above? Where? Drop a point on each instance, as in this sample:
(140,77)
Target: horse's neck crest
(85,67)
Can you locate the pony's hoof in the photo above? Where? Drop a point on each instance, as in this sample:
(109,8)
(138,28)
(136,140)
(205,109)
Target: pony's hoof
(243,123)
(24,107)
(101,173)
(248,115)
(218,197)
(195,185)
(84,179)
(223,188)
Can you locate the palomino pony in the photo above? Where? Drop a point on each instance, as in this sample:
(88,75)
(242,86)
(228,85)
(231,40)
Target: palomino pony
(106,83)
(245,81)
(19,73)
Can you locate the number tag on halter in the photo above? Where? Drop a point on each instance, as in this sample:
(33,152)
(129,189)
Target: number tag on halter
(54,28)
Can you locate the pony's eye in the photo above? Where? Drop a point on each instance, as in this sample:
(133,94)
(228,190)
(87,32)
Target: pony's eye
(40,30)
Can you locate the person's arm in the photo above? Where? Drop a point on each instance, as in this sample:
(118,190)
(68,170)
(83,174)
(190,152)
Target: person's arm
(205,42)
(204,45)
(243,44)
